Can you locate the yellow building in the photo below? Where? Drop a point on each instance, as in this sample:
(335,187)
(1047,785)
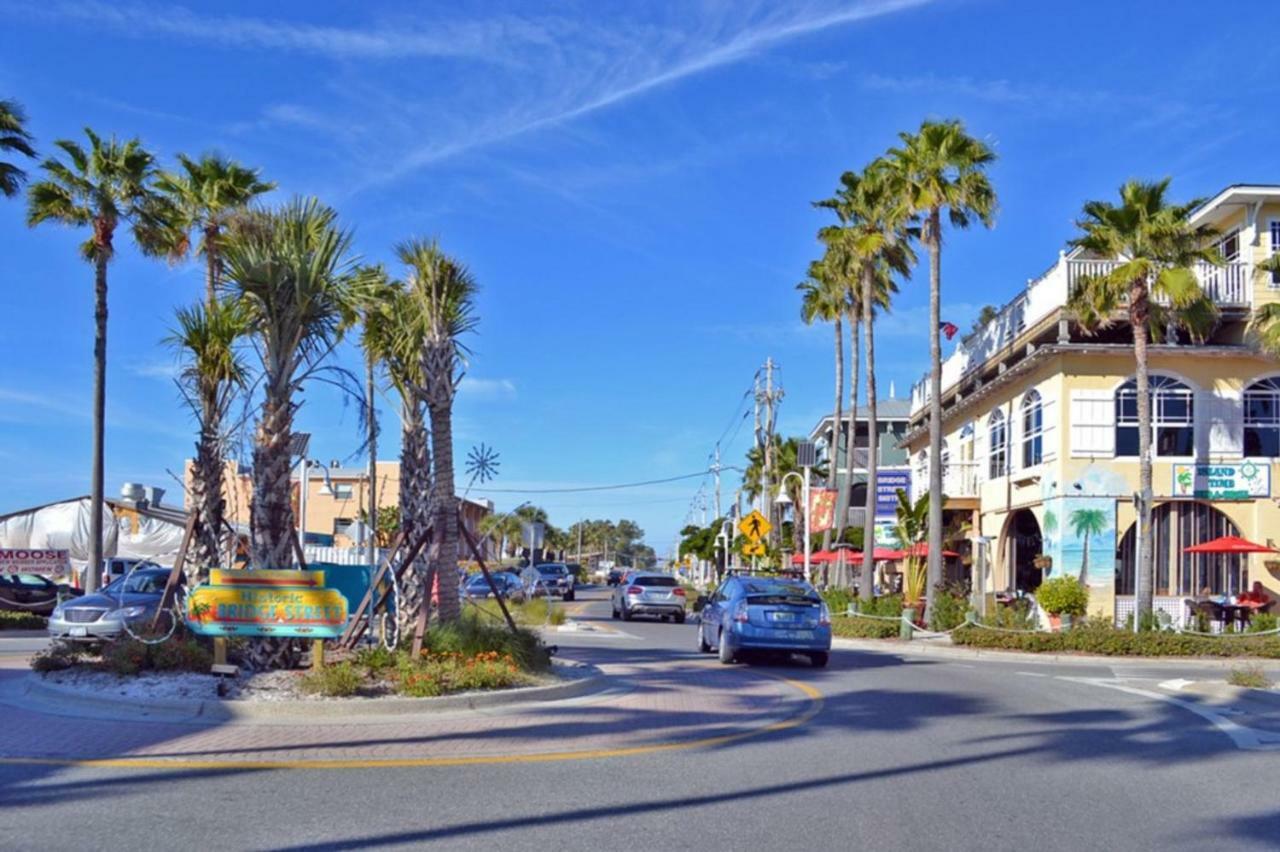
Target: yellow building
(1040,433)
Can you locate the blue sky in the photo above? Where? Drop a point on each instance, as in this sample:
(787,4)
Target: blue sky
(629,182)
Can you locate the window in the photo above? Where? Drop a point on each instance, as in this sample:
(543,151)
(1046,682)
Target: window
(1229,247)
(1262,418)
(344,526)
(343,491)
(1172,418)
(998,442)
(1032,429)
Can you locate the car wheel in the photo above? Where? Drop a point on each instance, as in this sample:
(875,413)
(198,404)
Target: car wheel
(626,614)
(702,642)
(613,611)
(679,618)
(568,596)
(819,659)
(726,653)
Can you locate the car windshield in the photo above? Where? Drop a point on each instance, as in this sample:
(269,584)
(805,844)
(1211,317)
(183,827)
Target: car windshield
(655,581)
(138,584)
(553,569)
(778,593)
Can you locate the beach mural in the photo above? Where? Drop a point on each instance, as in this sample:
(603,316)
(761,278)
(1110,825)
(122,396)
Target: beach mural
(1079,527)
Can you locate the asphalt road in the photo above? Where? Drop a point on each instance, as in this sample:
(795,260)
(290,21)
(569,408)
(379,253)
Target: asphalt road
(903,753)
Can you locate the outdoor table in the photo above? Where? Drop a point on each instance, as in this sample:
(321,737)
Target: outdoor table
(1237,614)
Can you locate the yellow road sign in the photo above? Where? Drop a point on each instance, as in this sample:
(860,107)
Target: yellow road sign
(755,526)
(755,548)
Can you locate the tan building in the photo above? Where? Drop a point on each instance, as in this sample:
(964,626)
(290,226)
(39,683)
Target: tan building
(1041,436)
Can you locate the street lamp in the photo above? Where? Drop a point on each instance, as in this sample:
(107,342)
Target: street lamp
(784,499)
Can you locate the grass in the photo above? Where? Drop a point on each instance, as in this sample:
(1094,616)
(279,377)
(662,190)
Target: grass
(1251,677)
(338,680)
(530,613)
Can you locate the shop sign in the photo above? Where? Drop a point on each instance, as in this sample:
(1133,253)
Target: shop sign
(48,563)
(1222,481)
(888,484)
(267,603)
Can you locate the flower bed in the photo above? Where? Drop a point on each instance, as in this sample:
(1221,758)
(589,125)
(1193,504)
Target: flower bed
(1109,641)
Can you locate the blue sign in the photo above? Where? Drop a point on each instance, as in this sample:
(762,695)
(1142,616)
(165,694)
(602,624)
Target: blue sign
(888,484)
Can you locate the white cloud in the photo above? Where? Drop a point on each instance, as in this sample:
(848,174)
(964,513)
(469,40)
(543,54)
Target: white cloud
(166,370)
(487,388)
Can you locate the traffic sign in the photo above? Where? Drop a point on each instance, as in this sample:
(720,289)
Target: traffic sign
(754,548)
(755,526)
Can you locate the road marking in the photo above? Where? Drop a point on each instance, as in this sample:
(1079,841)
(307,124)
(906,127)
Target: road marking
(813,706)
(1031,674)
(1176,685)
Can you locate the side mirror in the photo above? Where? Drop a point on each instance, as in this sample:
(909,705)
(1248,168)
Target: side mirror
(700,603)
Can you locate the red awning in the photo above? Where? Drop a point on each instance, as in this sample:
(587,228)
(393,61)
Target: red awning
(881,554)
(1229,544)
(815,558)
(922,550)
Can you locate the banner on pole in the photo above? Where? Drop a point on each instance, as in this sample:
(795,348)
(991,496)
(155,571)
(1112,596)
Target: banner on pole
(822,509)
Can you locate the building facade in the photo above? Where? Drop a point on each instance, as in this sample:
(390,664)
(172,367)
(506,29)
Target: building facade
(1040,455)
(892,424)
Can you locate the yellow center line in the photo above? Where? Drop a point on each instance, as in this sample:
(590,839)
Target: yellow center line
(811,709)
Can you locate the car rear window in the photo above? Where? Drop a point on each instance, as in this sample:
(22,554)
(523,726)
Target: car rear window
(553,569)
(774,600)
(655,581)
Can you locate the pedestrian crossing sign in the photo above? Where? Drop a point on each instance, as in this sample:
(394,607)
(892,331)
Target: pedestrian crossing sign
(754,548)
(755,526)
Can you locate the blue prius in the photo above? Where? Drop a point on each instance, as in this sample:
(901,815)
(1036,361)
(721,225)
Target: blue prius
(765,614)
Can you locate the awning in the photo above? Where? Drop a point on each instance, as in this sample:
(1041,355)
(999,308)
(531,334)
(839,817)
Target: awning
(1229,544)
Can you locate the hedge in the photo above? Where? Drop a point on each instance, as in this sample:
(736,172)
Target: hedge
(855,627)
(11,620)
(1113,642)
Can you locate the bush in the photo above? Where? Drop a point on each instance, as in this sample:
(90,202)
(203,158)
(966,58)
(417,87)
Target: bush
(1101,638)
(55,658)
(837,599)
(950,604)
(469,637)
(182,653)
(1015,616)
(1261,622)
(440,674)
(333,681)
(858,627)
(10,620)
(1250,677)
(889,606)
(1063,596)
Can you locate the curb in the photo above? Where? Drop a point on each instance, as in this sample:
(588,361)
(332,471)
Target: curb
(579,680)
(1234,694)
(919,647)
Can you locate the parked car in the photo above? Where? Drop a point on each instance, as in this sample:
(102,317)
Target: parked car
(28,593)
(614,578)
(555,580)
(509,586)
(576,570)
(119,566)
(95,618)
(765,614)
(649,594)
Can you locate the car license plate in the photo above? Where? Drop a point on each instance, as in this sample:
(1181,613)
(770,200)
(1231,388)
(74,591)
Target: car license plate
(782,616)
(79,631)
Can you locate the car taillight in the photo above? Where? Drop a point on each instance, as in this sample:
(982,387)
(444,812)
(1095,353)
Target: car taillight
(740,614)
(635,590)
(824,616)
(678,590)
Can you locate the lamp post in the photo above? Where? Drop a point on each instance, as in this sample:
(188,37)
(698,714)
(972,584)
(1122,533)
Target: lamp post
(784,498)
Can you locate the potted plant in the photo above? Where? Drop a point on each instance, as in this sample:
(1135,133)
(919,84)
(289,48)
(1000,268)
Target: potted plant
(1062,596)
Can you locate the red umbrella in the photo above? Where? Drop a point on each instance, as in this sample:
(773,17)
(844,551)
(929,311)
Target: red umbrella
(1229,544)
(818,556)
(922,549)
(880,554)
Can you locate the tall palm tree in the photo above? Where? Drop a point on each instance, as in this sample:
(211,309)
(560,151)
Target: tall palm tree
(1086,523)
(875,234)
(940,168)
(443,292)
(292,269)
(208,338)
(1153,286)
(100,188)
(14,138)
(841,269)
(823,299)
(207,193)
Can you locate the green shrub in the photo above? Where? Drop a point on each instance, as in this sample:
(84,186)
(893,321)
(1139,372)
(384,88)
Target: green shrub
(333,681)
(376,659)
(1097,637)
(186,655)
(858,627)
(58,656)
(1261,622)
(440,674)
(470,636)
(1063,596)
(10,620)
(885,605)
(950,603)
(1250,677)
(837,599)
(1015,616)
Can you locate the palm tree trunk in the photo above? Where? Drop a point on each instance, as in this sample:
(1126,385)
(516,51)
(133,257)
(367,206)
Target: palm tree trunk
(99,420)
(1084,561)
(850,439)
(372,414)
(207,498)
(934,575)
(446,510)
(210,273)
(414,456)
(866,588)
(835,422)
(271,516)
(1145,563)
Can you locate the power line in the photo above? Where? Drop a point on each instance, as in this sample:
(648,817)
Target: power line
(594,487)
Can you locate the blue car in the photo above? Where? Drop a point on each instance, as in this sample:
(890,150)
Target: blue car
(765,614)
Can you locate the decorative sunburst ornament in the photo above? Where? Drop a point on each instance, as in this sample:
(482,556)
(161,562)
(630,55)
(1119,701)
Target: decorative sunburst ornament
(482,464)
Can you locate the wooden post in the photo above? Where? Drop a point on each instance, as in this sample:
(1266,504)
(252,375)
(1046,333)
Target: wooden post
(219,651)
(317,654)
(171,582)
(493,587)
(356,626)
(420,628)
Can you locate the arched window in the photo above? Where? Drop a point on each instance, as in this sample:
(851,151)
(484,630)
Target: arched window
(1262,418)
(1172,418)
(998,445)
(1032,429)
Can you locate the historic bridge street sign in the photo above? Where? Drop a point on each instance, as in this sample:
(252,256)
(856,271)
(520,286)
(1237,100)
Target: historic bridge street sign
(267,603)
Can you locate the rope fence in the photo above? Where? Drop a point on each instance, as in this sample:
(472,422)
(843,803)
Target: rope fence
(852,613)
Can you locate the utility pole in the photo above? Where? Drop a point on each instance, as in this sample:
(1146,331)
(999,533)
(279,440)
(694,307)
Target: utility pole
(579,542)
(372,414)
(715,468)
(769,398)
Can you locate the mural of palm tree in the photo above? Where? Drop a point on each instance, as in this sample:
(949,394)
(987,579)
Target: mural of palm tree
(1086,523)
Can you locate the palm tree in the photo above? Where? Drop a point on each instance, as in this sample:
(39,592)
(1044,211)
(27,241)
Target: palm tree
(100,188)
(823,298)
(1154,287)
(841,270)
(208,337)
(14,137)
(1084,523)
(940,167)
(912,529)
(208,193)
(875,235)
(443,293)
(291,268)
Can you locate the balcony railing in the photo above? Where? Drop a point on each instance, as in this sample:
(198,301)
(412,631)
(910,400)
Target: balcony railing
(1229,286)
(959,479)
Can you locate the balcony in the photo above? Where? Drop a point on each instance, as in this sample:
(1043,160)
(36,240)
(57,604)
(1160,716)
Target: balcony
(959,479)
(1229,286)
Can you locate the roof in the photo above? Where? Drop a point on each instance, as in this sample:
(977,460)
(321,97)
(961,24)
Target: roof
(886,410)
(1233,192)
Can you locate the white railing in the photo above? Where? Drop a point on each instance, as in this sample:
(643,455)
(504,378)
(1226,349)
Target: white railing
(960,479)
(1230,285)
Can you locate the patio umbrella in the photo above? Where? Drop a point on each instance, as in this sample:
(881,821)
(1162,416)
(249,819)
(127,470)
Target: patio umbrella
(1229,544)
(880,554)
(922,549)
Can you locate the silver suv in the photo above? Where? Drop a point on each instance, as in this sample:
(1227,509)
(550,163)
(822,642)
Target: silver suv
(649,594)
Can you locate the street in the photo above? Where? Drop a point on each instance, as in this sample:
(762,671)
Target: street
(877,751)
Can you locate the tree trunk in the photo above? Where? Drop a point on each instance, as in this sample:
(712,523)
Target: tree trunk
(835,422)
(99,418)
(844,495)
(866,588)
(1145,563)
(271,516)
(372,415)
(1084,561)
(934,573)
(208,502)
(446,511)
(211,267)
(415,464)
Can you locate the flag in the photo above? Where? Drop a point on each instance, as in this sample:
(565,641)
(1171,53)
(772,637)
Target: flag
(949,329)
(822,509)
